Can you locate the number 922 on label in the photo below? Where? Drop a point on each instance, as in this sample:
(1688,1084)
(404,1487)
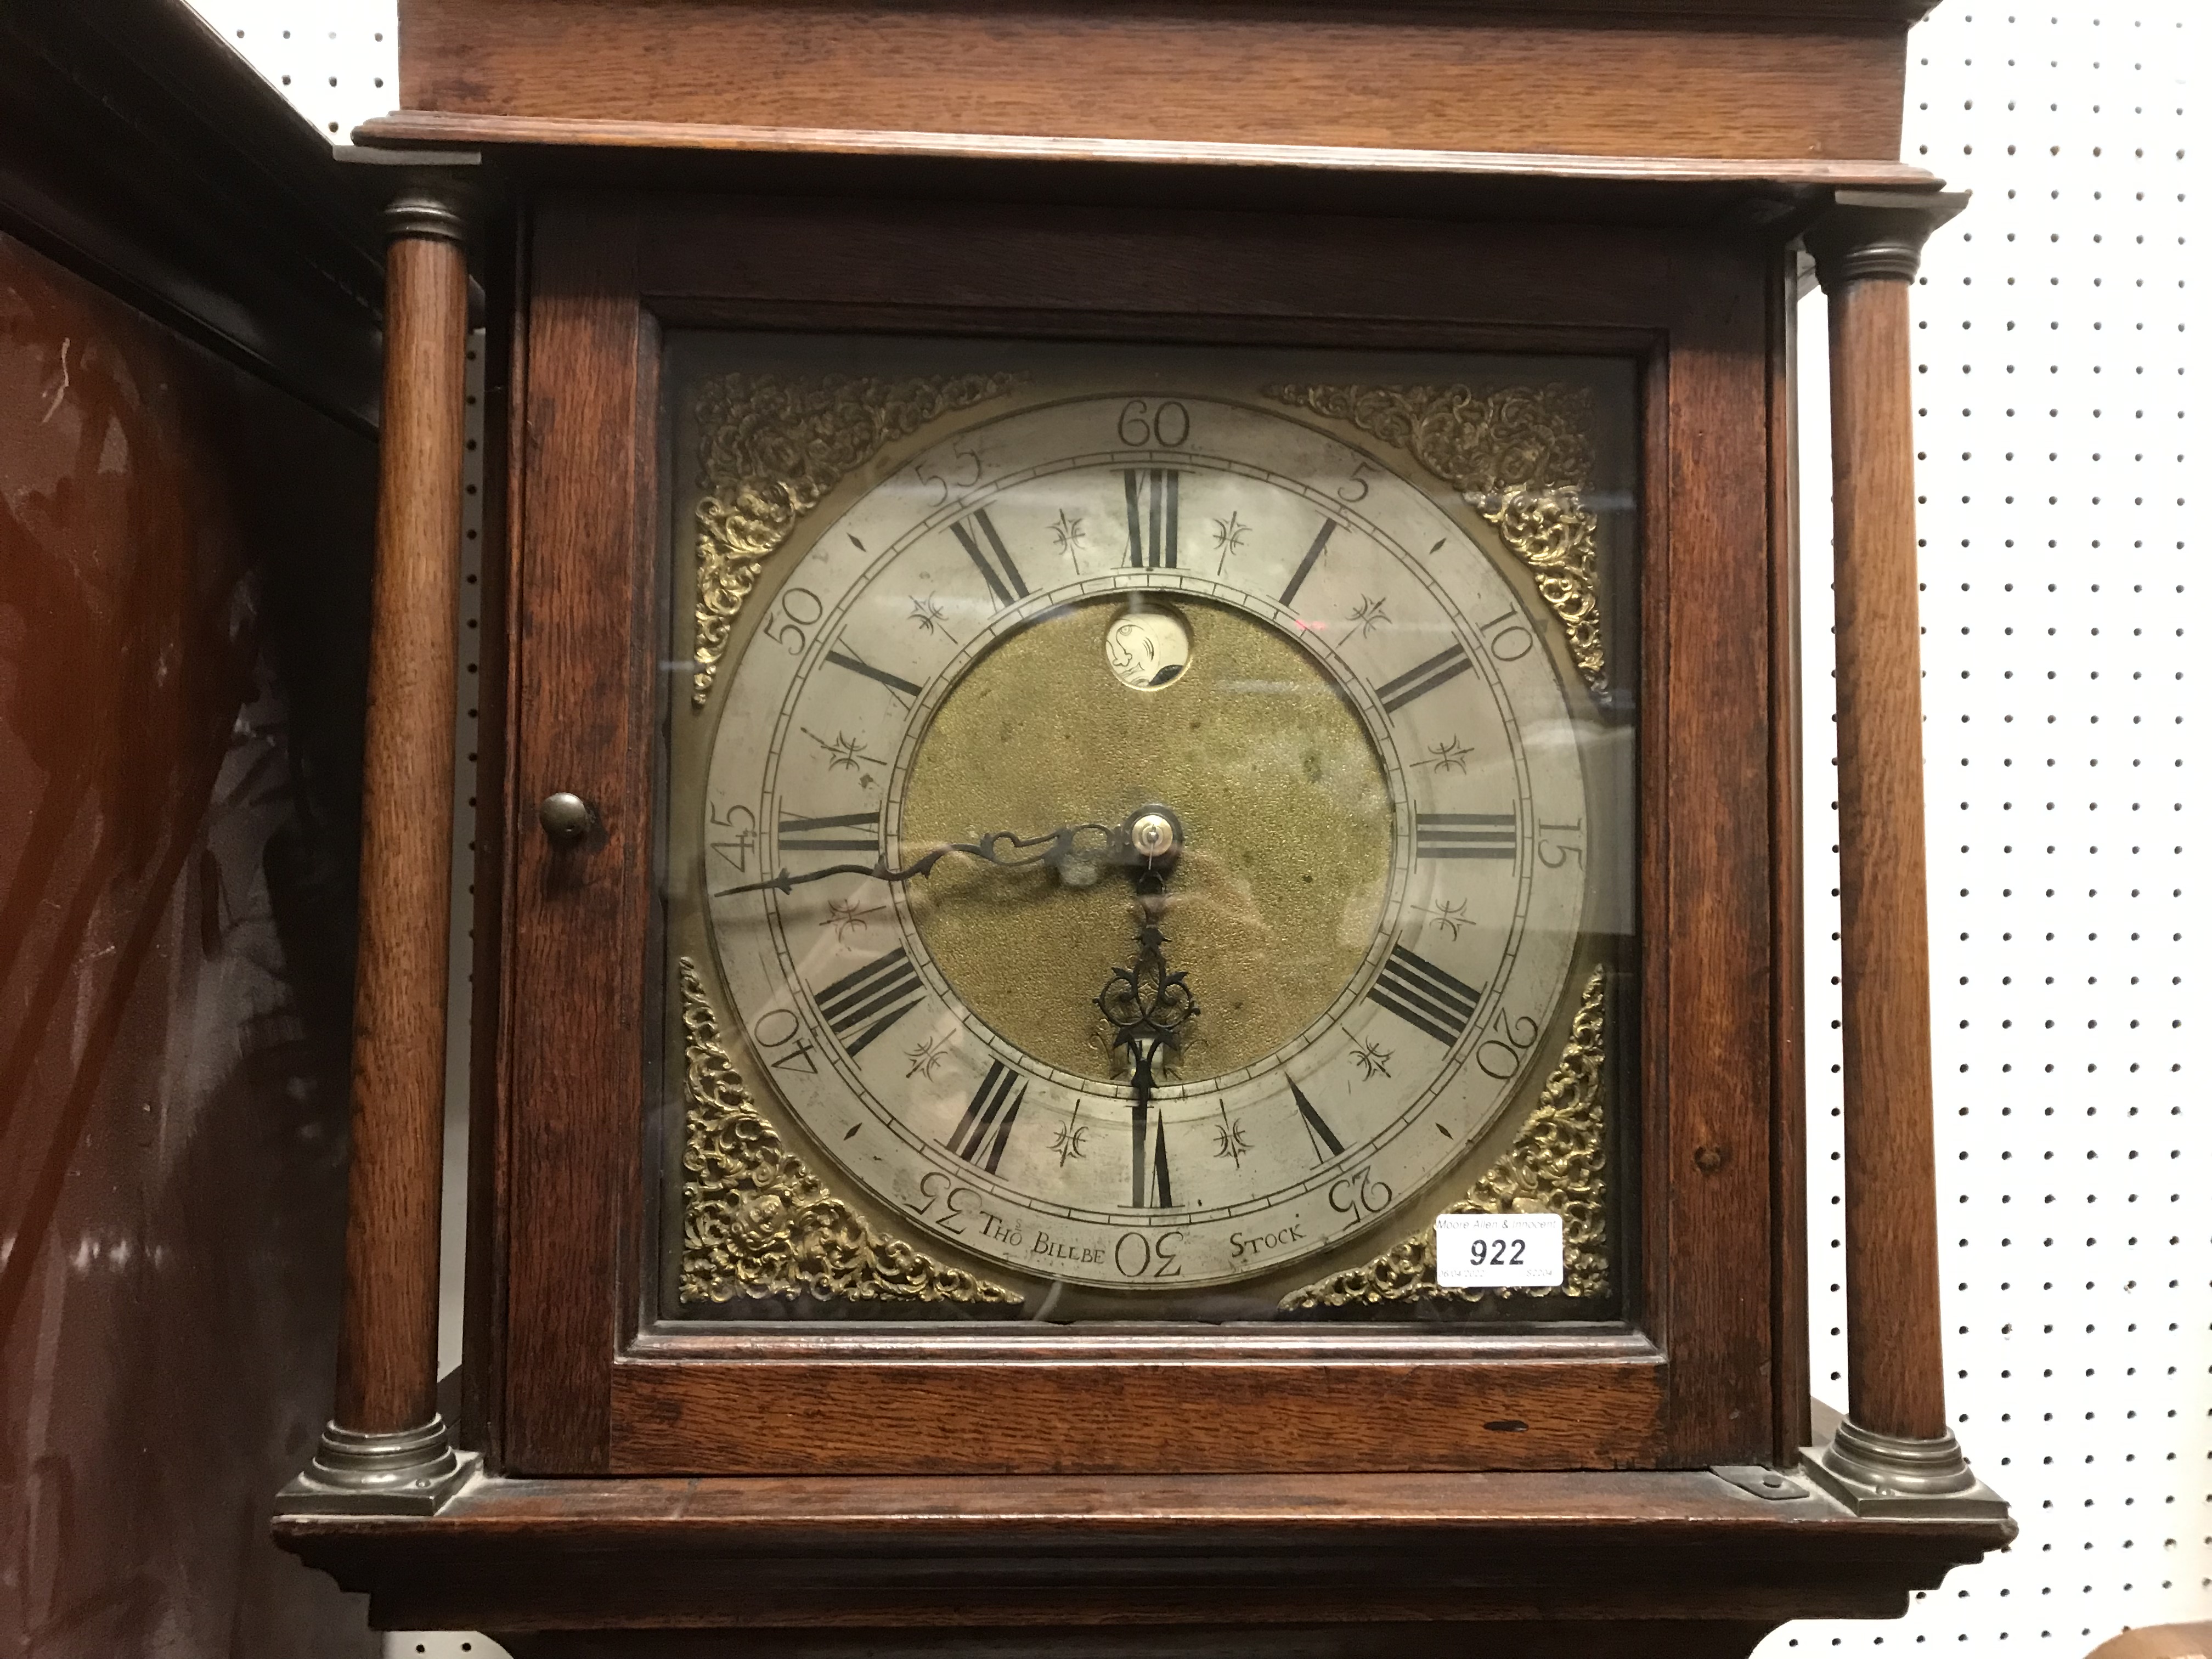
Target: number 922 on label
(1492,1251)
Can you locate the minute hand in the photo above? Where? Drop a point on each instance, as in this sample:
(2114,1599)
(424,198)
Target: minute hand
(1001,847)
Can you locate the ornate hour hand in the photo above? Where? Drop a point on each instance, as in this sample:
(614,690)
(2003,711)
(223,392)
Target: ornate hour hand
(1001,847)
(1148,1004)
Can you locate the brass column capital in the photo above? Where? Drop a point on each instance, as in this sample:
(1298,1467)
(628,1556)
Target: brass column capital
(435,209)
(1877,232)
(429,194)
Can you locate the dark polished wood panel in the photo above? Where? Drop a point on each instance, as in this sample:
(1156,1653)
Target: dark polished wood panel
(1892,1289)
(183,599)
(576,993)
(1793,85)
(1151,174)
(1793,1367)
(387,1372)
(1712,1161)
(1044,1406)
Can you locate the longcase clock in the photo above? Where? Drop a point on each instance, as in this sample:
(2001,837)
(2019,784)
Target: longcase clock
(1139,968)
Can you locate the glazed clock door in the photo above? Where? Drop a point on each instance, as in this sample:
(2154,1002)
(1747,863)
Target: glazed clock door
(1142,844)
(1132,886)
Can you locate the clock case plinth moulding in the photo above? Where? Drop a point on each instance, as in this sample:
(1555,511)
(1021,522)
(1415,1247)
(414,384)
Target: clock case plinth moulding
(1485,179)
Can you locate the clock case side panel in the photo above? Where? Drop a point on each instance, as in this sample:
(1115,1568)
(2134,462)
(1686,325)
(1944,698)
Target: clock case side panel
(576,992)
(587,1390)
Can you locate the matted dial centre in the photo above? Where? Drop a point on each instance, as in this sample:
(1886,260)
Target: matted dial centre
(1276,897)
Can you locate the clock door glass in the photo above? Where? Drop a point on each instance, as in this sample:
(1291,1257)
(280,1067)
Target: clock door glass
(1147,832)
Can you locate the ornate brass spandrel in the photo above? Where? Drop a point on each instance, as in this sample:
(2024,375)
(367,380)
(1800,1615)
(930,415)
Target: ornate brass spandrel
(1520,457)
(1557,1166)
(770,447)
(758,1223)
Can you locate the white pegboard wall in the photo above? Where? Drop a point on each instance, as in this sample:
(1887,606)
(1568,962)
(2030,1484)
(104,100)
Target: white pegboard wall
(2058,372)
(337,61)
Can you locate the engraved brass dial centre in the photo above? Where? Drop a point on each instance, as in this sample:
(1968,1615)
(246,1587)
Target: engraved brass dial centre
(1284,833)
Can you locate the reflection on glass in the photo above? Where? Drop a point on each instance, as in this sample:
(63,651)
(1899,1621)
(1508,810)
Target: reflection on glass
(1147,830)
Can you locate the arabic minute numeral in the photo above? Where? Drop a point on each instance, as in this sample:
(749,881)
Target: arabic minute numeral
(1141,1257)
(1557,842)
(779,1029)
(1501,1050)
(1508,639)
(1359,1196)
(1142,426)
(946,483)
(944,1204)
(797,610)
(743,831)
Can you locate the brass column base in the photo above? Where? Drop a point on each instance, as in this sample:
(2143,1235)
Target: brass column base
(1870,1472)
(411,1471)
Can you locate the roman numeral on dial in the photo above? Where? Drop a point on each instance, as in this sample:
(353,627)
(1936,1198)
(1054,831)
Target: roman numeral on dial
(1425,996)
(1424,678)
(1306,564)
(989,1109)
(859,1006)
(841,832)
(845,658)
(980,537)
(1151,493)
(1464,834)
(1326,1146)
(1149,1187)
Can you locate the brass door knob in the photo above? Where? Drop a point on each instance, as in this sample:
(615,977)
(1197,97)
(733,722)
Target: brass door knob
(567,818)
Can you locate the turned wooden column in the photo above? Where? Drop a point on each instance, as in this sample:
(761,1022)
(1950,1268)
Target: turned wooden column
(386,1443)
(388,1353)
(1867,250)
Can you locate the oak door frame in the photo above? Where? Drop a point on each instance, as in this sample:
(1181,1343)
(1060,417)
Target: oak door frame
(585,1390)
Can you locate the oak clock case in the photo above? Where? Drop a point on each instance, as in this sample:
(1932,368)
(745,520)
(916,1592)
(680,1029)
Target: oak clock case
(1147,830)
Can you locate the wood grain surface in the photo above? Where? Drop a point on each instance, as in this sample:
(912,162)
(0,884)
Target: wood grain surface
(483,1331)
(388,1346)
(1711,945)
(1177,1565)
(452,128)
(1056,1407)
(1693,311)
(1405,75)
(1793,1369)
(1891,1300)
(576,998)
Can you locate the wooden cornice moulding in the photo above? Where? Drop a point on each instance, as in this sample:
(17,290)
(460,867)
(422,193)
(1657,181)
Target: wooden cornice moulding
(412,127)
(1726,80)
